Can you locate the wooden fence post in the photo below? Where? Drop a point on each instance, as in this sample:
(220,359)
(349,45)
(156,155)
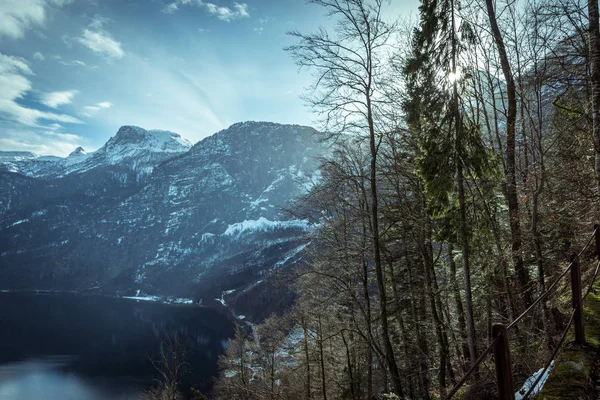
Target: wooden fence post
(504,377)
(577,302)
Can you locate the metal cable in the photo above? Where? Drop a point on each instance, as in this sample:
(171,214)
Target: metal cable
(593,280)
(556,351)
(543,295)
(487,351)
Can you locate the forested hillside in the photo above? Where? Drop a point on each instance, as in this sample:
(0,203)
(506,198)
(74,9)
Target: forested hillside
(466,172)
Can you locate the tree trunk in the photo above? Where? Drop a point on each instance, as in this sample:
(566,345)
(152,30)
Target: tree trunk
(464,237)
(510,174)
(322,361)
(306,357)
(387,344)
(432,292)
(462,326)
(594,39)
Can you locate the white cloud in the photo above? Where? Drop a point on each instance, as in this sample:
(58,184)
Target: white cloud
(15,84)
(241,9)
(16,16)
(73,63)
(38,56)
(55,99)
(91,110)
(227,14)
(99,40)
(44,141)
(99,21)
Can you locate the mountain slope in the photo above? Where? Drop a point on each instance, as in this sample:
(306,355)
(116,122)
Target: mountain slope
(208,220)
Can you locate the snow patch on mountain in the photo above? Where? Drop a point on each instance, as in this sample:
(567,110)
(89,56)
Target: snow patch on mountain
(264,225)
(291,254)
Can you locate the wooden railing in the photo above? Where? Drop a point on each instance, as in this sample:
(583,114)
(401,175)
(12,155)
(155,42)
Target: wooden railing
(500,346)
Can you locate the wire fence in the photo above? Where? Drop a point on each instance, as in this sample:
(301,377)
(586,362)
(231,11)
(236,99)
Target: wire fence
(499,345)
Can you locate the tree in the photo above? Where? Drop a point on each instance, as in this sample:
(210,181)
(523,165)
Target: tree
(171,365)
(348,94)
(594,57)
(449,144)
(510,171)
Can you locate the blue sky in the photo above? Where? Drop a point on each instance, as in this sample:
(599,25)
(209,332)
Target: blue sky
(73,71)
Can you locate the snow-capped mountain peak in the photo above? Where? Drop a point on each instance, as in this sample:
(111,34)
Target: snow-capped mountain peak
(136,149)
(78,152)
(136,138)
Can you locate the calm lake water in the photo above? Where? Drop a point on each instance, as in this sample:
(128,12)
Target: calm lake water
(68,346)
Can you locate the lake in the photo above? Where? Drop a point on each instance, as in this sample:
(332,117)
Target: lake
(70,346)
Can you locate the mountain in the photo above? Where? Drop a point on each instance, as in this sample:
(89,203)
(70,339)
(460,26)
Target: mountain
(14,156)
(133,148)
(202,222)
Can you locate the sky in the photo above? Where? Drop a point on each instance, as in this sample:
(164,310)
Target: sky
(73,71)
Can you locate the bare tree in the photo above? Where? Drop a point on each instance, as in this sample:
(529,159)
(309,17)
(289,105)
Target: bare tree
(511,182)
(348,95)
(170,365)
(594,43)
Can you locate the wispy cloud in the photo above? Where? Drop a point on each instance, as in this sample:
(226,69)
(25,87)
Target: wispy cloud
(91,110)
(18,16)
(99,40)
(73,63)
(55,99)
(227,14)
(38,56)
(15,84)
(102,43)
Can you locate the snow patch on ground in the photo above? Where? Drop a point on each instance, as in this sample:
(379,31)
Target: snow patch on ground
(222,301)
(143,298)
(531,380)
(168,300)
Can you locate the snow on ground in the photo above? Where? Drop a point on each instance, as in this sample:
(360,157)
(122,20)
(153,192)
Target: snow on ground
(530,381)
(168,300)
(222,300)
(183,301)
(143,298)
